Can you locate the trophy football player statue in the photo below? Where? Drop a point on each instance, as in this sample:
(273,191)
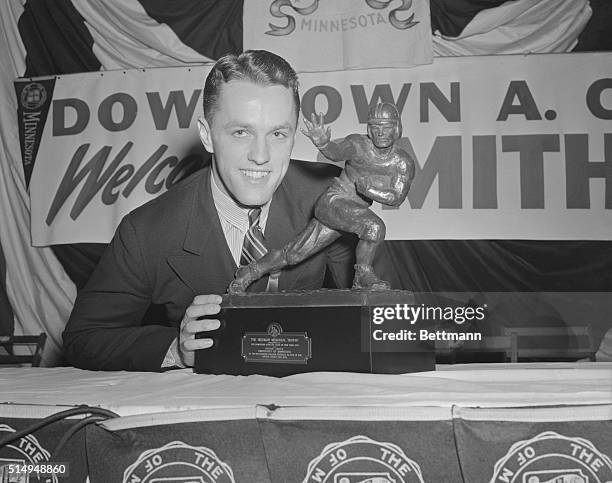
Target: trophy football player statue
(376,169)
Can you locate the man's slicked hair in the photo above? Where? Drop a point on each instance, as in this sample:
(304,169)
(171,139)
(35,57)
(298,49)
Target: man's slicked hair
(258,66)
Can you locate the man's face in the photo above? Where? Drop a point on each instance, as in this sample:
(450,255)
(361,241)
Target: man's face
(251,134)
(382,133)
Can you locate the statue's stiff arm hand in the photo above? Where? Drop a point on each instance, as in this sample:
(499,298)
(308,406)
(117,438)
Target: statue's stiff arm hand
(321,137)
(316,130)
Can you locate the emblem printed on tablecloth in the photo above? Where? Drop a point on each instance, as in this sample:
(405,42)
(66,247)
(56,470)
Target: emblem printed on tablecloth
(550,457)
(361,459)
(25,451)
(178,462)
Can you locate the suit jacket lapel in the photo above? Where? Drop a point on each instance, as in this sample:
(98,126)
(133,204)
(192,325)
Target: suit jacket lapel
(207,265)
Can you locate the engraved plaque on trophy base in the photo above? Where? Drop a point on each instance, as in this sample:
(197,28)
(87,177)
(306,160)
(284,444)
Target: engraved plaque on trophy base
(279,334)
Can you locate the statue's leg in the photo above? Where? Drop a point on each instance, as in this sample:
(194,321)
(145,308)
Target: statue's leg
(247,274)
(372,234)
(351,214)
(309,241)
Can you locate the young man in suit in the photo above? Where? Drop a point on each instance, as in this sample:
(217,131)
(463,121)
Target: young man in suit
(181,250)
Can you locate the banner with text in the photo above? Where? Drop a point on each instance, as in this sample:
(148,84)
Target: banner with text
(344,34)
(515,147)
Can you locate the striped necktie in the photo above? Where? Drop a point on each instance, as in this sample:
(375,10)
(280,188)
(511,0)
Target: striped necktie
(254,247)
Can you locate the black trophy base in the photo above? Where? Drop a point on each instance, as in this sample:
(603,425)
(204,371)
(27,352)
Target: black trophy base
(279,334)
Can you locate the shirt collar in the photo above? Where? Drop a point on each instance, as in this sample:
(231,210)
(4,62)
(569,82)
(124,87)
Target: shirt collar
(230,211)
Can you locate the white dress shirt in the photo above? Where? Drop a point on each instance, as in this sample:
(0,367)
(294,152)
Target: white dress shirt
(234,218)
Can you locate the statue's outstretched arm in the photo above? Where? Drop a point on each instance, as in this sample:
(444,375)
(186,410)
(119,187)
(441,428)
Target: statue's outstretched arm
(321,137)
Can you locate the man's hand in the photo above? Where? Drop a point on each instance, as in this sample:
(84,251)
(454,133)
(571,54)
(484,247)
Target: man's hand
(316,131)
(191,324)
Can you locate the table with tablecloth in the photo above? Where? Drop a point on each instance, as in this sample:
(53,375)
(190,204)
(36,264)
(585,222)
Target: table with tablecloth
(528,423)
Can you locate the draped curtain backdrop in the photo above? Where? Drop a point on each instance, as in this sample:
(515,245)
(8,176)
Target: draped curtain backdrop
(46,37)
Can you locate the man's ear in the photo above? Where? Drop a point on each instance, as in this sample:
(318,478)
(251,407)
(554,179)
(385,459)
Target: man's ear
(205,134)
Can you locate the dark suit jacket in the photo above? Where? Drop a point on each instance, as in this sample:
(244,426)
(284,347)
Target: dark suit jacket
(173,248)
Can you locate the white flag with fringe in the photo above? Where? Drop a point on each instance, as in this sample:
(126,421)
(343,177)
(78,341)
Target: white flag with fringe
(320,35)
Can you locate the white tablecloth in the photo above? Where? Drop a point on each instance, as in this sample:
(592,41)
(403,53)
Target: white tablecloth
(472,385)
